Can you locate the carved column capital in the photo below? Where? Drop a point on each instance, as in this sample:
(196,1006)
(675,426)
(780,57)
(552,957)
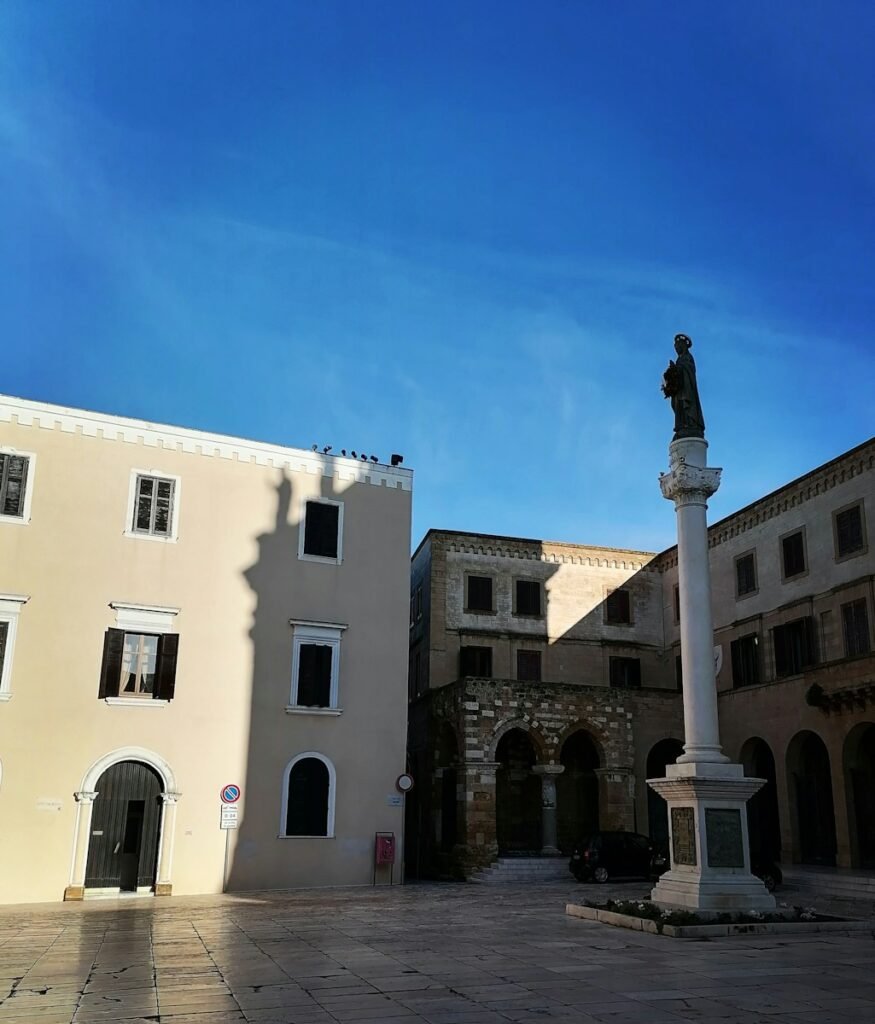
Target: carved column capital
(85,796)
(170,798)
(548,769)
(689,485)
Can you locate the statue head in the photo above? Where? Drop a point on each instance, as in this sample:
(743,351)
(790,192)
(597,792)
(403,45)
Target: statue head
(682,343)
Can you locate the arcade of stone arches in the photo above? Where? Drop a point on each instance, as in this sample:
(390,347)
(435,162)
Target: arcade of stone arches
(546,809)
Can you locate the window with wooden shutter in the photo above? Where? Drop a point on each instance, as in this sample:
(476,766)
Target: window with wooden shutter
(13,484)
(618,608)
(528,598)
(850,536)
(794,647)
(475,661)
(111,666)
(745,660)
(4,634)
(479,598)
(314,676)
(745,575)
(322,529)
(165,682)
(625,673)
(793,554)
(528,666)
(855,625)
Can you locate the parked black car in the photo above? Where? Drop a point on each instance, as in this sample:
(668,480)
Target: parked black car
(607,855)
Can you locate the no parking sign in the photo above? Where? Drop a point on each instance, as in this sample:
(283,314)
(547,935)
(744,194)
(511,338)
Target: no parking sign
(230,794)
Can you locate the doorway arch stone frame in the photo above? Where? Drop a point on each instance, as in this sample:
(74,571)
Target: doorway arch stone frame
(85,797)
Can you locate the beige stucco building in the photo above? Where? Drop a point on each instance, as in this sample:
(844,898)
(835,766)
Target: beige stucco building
(545,681)
(181,611)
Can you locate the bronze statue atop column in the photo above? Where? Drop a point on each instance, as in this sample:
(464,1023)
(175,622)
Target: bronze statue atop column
(679,385)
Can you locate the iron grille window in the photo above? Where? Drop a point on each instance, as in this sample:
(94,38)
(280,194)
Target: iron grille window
(138,665)
(793,552)
(321,529)
(625,673)
(618,608)
(13,481)
(849,531)
(855,624)
(745,575)
(794,646)
(528,666)
(307,806)
(153,508)
(314,675)
(745,660)
(479,594)
(528,597)
(475,661)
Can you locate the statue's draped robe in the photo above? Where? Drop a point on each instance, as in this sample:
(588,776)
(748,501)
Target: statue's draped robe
(688,418)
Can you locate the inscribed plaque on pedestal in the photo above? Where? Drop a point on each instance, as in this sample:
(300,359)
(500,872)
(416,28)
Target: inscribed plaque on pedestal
(724,838)
(683,835)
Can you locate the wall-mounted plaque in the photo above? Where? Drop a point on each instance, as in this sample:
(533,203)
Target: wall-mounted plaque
(683,835)
(724,837)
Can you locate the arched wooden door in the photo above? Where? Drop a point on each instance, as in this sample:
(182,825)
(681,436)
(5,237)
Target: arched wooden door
(123,846)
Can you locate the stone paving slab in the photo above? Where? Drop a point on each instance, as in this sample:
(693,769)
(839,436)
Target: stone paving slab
(419,954)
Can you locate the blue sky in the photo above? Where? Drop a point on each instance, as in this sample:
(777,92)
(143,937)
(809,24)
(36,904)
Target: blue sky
(466,232)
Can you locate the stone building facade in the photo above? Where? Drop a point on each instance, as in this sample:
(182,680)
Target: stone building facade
(544,681)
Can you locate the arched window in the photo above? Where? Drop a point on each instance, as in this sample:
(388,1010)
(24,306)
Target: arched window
(308,797)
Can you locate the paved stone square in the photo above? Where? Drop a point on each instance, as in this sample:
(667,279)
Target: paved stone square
(441,954)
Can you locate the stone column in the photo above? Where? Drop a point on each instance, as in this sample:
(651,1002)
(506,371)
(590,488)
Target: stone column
(549,835)
(706,795)
(478,843)
(163,885)
(84,809)
(689,484)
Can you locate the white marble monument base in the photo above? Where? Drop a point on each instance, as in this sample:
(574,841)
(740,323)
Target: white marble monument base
(708,841)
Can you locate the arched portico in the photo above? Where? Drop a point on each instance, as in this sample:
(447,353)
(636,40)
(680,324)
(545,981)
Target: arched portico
(88,793)
(811,800)
(763,818)
(662,754)
(858,758)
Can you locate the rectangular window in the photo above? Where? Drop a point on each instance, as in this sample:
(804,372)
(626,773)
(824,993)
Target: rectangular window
(13,484)
(793,554)
(745,574)
(4,636)
(528,666)
(139,666)
(528,597)
(678,672)
(618,608)
(322,523)
(625,673)
(475,661)
(417,604)
(479,594)
(795,647)
(315,666)
(677,603)
(850,536)
(855,623)
(745,660)
(153,506)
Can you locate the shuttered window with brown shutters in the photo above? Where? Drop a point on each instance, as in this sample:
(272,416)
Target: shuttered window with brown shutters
(141,666)
(13,484)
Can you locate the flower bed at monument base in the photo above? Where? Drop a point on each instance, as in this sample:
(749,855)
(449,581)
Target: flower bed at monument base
(644,916)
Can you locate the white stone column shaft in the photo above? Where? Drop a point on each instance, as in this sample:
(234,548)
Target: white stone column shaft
(689,484)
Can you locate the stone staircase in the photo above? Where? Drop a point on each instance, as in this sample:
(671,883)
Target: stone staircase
(842,883)
(524,871)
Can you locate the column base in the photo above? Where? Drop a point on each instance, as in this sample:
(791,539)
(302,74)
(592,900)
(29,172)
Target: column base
(163,888)
(551,851)
(708,840)
(74,892)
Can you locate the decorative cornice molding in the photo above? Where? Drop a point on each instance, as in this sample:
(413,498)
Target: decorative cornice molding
(796,493)
(601,558)
(198,442)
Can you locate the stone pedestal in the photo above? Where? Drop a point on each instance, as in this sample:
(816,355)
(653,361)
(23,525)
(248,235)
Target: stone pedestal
(549,840)
(708,840)
(706,795)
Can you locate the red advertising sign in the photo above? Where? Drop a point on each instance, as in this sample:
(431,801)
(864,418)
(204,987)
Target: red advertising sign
(385,852)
